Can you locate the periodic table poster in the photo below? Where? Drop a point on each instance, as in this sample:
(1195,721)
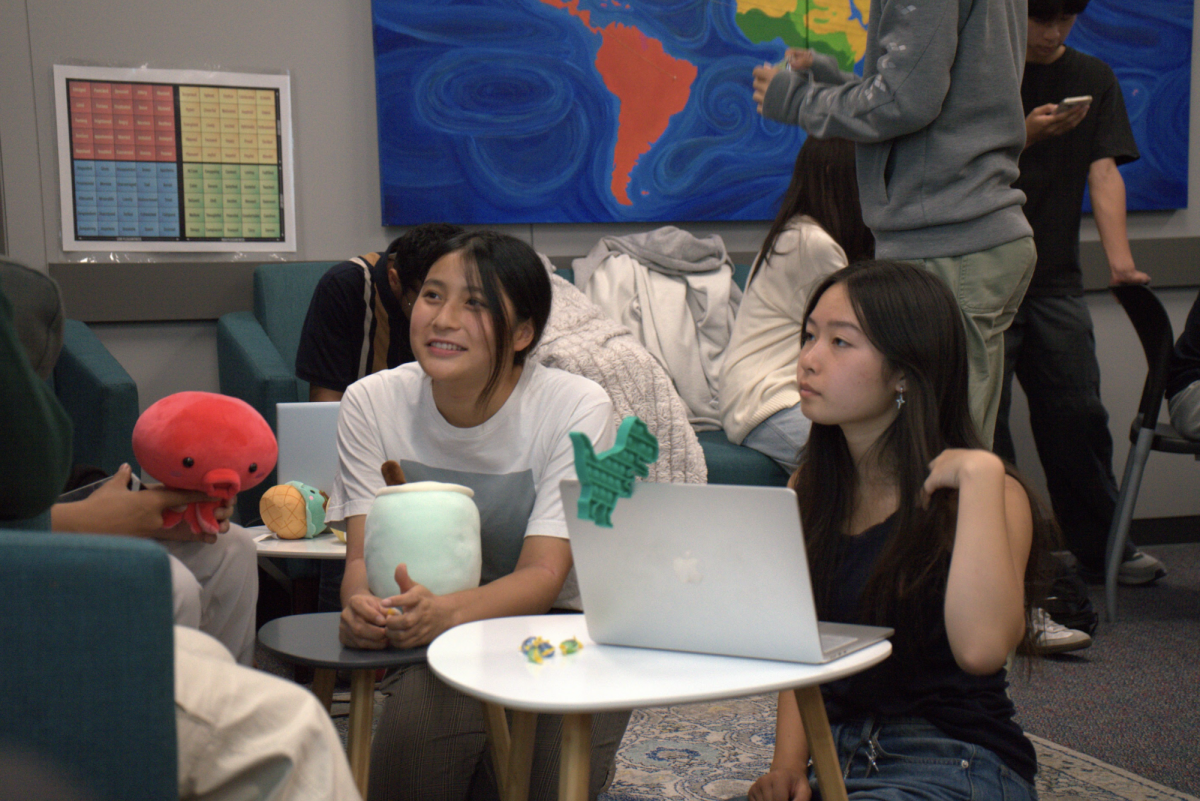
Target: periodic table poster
(174,160)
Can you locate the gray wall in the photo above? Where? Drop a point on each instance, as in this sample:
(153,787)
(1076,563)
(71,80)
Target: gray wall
(326,49)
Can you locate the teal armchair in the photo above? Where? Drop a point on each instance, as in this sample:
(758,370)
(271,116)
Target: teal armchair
(88,662)
(94,389)
(99,396)
(256,352)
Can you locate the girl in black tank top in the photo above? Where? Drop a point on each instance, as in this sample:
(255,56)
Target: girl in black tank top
(910,523)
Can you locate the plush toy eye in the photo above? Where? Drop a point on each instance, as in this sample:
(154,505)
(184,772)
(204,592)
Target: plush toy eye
(254,467)
(188,461)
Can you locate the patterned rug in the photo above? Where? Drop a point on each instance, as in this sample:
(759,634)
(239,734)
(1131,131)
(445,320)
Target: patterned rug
(708,752)
(715,751)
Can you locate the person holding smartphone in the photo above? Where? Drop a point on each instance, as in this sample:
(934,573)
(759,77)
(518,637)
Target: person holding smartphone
(1050,346)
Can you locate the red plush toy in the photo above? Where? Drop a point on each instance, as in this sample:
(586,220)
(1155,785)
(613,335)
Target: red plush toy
(207,442)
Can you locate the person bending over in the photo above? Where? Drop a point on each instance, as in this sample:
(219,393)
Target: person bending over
(472,411)
(357,321)
(910,523)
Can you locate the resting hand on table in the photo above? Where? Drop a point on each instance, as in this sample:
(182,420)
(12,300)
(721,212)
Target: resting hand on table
(363,622)
(423,615)
(780,785)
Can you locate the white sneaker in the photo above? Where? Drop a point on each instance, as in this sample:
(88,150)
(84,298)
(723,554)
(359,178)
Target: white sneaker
(1141,568)
(1054,638)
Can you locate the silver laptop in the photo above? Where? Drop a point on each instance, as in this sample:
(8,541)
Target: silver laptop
(307,435)
(707,568)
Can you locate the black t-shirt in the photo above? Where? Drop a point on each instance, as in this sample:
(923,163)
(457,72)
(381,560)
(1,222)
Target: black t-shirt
(921,678)
(1054,171)
(353,328)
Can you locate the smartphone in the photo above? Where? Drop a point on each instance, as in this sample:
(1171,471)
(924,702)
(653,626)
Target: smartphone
(79,493)
(1068,103)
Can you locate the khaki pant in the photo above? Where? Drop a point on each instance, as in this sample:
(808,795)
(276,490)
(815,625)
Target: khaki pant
(988,286)
(215,588)
(246,734)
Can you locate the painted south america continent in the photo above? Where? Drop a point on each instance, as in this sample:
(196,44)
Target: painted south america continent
(650,85)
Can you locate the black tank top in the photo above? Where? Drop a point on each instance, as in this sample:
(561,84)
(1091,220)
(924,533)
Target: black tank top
(921,678)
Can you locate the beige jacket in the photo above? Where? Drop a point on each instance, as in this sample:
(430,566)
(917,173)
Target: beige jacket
(758,375)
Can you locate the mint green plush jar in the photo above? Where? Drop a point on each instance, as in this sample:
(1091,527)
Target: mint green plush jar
(431,527)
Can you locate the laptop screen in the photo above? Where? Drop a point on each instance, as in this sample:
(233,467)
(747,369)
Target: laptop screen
(307,434)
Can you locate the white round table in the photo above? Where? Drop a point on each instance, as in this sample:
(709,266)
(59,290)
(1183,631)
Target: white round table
(483,659)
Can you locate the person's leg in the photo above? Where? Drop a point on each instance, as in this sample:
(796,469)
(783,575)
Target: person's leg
(914,760)
(185,594)
(989,286)
(1061,378)
(607,730)
(781,436)
(227,571)
(430,742)
(247,734)
(1002,443)
(1185,411)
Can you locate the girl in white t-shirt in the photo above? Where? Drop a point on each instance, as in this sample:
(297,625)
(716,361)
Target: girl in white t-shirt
(819,229)
(470,411)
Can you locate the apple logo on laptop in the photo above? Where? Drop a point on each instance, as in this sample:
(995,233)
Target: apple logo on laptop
(687,568)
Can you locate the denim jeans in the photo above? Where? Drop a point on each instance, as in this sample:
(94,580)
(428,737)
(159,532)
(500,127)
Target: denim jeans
(781,436)
(912,759)
(1051,349)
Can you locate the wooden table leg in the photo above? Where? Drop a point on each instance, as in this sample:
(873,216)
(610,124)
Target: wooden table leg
(323,681)
(358,735)
(520,756)
(496,725)
(820,743)
(575,768)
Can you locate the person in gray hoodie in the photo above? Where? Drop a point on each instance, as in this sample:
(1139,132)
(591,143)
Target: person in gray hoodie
(938,126)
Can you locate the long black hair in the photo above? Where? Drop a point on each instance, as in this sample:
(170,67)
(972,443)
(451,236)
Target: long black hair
(912,319)
(504,267)
(824,188)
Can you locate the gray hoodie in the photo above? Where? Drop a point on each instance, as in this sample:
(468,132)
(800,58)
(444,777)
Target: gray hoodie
(937,119)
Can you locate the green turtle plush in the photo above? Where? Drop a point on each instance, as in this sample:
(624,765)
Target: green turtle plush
(293,510)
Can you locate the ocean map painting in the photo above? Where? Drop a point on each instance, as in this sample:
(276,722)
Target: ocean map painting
(535,111)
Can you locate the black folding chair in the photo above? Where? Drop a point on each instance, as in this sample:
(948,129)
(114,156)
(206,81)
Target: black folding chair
(1146,434)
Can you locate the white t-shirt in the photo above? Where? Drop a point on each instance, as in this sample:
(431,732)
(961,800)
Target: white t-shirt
(513,462)
(758,374)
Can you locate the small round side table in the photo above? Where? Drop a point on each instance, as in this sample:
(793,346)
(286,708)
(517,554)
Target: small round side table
(312,640)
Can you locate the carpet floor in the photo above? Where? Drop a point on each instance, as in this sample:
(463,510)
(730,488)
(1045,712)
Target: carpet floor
(1119,721)
(715,751)
(707,752)
(1133,698)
